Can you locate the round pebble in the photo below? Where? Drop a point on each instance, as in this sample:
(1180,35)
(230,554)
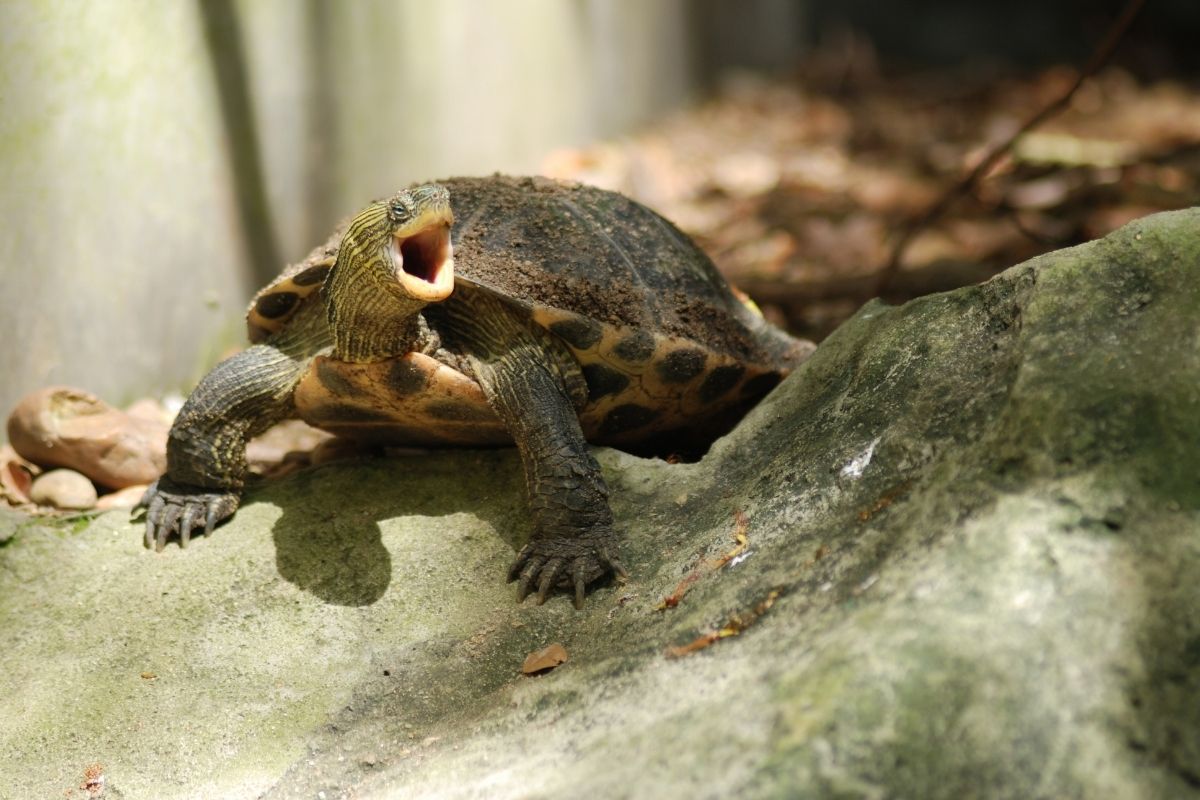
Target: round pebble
(63,488)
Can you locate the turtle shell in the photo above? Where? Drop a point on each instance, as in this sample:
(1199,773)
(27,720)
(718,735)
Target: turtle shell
(277,303)
(601,260)
(662,340)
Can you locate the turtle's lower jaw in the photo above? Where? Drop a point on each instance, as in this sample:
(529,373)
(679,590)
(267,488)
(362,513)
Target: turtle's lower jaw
(424,263)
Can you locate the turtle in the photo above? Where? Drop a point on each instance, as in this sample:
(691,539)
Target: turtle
(486,311)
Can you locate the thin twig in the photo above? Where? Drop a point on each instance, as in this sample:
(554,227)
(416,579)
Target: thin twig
(1101,55)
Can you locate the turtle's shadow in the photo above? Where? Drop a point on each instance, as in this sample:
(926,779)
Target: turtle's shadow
(328,540)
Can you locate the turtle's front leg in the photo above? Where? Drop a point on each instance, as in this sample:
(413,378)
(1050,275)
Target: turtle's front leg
(206,461)
(535,387)
(573,541)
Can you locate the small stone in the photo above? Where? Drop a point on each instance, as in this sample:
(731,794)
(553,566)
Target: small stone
(63,488)
(122,498)
(64,427)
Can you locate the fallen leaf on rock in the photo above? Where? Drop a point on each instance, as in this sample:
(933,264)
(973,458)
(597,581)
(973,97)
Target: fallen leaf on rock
(60,426)
(884,501)
(542,661)
(732,627)
(93,780)
(711,565)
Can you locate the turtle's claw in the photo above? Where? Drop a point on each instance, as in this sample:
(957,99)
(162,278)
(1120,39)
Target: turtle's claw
(154,504)
(613,562)
(580,589)
(528,573)
(176,508)
(549,575)
(210,521)
(567,562)
(514,569)
(169,521)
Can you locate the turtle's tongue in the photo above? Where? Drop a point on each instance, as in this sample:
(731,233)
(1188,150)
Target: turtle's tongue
(425,263)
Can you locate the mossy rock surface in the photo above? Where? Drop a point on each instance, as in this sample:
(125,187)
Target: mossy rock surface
(973,570)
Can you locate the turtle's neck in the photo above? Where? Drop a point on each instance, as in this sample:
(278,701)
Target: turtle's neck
(370,315)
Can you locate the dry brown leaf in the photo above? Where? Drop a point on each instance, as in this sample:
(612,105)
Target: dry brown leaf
(733,626)
(542,661)
(93,780)
(884,500)
(709,566)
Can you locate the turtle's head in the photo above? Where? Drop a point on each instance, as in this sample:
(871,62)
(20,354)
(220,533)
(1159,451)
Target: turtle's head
(419,242)
(394,258)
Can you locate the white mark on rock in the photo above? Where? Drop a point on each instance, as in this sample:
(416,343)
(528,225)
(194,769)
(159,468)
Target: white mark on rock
(867,583)
(740,558)
(855,466)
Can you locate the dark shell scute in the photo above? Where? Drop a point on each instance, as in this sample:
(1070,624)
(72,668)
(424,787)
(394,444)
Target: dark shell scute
(405,378)
(347,413)
(456,412)
(720,381)
(276,304)
(635,348)
(581,334)
(680,366)
(627,417)
(311,276)
(603,380)
(333,380)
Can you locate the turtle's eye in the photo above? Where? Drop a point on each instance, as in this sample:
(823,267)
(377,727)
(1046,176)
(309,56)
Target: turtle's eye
(399,212)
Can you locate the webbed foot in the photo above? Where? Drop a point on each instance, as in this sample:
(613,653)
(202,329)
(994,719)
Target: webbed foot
(565,561)
(177,508)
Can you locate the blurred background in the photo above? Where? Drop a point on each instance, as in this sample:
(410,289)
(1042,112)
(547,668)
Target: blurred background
(159,161)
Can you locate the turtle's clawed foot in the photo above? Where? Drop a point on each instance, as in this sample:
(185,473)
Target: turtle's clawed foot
(566,561)
(175,508)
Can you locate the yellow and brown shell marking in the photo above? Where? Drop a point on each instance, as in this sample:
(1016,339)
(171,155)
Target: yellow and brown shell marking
(276,304)
(641,383)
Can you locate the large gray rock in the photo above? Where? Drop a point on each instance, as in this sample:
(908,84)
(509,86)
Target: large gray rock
(978,514)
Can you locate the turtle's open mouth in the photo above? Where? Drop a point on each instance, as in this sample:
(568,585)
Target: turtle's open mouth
(424,262)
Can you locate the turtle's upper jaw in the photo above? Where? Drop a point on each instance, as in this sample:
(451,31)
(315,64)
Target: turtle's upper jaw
(424,259)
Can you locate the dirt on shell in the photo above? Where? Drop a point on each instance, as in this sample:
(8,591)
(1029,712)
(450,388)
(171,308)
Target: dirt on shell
(597,254)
